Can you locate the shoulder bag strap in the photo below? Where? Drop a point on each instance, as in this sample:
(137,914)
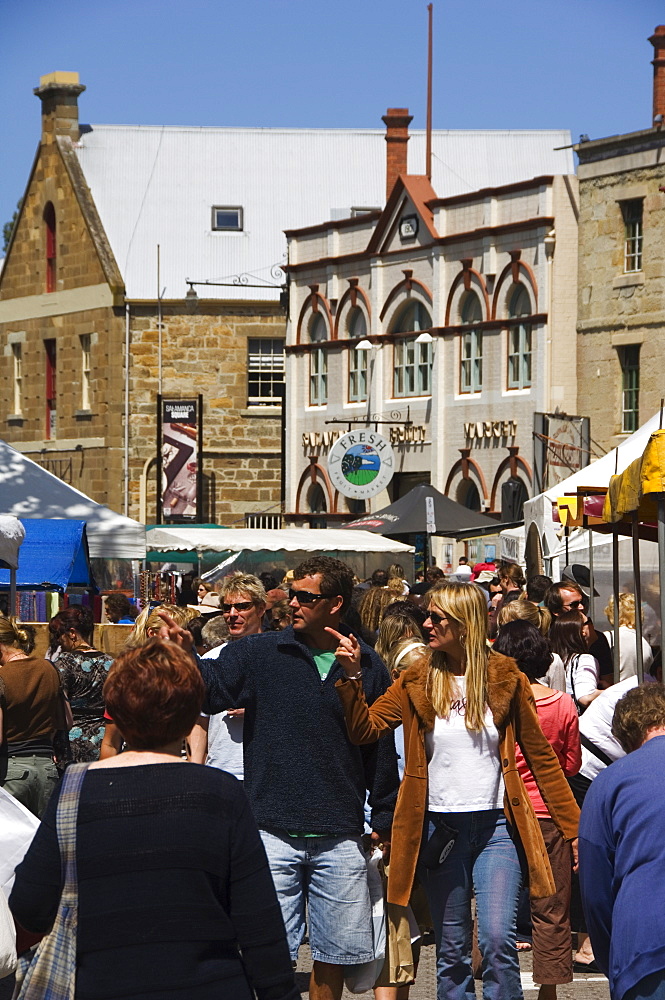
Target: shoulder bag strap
(67,813)
(573,663)
(596,751)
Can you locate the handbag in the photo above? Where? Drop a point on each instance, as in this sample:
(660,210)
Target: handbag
(7,939)
(51,974)
(361,977)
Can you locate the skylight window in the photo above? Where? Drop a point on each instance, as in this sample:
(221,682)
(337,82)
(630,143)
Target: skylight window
(227,219)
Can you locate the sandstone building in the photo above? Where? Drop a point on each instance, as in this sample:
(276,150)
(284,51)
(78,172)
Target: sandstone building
(621,306)
(105,301)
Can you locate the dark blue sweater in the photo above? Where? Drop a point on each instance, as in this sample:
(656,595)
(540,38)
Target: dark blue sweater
(622,866)
(301,772)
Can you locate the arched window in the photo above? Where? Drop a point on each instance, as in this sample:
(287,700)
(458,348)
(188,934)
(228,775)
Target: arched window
(468,495)
(318,363)
(412,375)
(519,340)
(413,316)
(316,502)
(357,327)
(51,246)
(471,373)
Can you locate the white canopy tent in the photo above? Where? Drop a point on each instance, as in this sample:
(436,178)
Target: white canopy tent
(538,510)
(179,538)
(258,549)
(27,491)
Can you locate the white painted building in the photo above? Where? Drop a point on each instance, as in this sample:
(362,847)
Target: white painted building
(450,320)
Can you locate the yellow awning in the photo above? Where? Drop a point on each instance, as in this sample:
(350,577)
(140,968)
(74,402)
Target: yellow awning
(634,489)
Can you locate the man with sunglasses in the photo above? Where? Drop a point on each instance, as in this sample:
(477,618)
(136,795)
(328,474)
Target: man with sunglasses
(569,595)
(217,739)
(305,781)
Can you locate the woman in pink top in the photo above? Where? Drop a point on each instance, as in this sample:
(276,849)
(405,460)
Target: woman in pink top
(550,917)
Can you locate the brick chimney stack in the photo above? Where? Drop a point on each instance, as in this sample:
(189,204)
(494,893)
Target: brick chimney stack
(59,94)
(658,63)
(397,135)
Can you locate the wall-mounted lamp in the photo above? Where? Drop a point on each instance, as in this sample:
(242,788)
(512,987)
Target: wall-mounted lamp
(424,338)
(364,345)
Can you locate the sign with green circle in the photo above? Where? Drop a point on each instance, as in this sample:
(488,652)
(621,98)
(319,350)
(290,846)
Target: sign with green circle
(361,464)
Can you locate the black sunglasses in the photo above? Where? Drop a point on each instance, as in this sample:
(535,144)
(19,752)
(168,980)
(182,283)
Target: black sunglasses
(238,605)
(307,597)
(436,619)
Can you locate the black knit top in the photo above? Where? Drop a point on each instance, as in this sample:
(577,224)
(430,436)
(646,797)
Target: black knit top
(176,900)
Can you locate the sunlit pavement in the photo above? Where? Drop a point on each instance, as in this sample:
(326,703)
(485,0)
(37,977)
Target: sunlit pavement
(591,987)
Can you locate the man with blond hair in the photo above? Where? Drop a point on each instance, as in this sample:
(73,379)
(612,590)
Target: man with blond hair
(216,739)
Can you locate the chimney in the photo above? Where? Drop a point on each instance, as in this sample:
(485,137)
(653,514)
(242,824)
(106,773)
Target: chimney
(59,93)
(658,63)
(397,135)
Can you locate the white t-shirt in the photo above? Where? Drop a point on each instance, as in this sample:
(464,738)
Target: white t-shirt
(596,725)
(225,735)
(584,668)
(555,677)
(464,769)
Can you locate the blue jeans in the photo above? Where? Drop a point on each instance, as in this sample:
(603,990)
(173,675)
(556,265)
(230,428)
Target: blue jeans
(484,860)
(650,988)
(330,875)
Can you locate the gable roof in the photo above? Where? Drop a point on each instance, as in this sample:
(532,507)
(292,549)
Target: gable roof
(157,185)
(420,191)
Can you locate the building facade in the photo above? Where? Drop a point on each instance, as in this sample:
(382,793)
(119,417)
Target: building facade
(444,323)
(148,260)
(621,306)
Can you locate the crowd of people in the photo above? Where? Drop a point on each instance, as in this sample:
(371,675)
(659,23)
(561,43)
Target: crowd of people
(453,726)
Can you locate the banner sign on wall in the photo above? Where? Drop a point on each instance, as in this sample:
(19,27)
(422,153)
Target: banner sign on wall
(361,464)
(179,452)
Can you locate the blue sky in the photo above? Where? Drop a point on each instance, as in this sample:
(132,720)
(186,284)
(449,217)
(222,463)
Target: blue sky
(577,64)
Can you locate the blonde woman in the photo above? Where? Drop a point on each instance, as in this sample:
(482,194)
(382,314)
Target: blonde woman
(464,708)
(373,605)
(146,627)
(148,622)
(627,637)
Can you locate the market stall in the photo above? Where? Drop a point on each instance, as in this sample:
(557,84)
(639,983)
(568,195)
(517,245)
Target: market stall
(30,492)
(257,549)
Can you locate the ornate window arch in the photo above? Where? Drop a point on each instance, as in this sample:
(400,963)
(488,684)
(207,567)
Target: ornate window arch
(467,280)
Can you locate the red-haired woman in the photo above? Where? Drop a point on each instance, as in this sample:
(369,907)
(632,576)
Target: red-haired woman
(170,862)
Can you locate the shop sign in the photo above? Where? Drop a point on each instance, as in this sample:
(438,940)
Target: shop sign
(490,429)
(319,439)
(361,464)
(408,435)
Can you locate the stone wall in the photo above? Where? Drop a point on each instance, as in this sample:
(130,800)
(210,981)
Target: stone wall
(617,309)
(205,351)
(87,448)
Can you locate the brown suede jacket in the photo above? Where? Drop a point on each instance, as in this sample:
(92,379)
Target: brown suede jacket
(514,711)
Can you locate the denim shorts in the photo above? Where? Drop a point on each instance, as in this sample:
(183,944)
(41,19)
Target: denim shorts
(329,876)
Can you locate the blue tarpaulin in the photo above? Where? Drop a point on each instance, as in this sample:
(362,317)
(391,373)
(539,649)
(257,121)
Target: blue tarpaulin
(54,554)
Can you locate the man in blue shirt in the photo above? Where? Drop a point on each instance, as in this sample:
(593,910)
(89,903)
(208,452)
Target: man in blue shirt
(305,781)
(622,852)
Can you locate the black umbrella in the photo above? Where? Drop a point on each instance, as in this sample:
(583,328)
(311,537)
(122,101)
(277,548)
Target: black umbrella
(424,509)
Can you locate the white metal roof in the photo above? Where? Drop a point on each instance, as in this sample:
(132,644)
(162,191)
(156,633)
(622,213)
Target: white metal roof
(155,185)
